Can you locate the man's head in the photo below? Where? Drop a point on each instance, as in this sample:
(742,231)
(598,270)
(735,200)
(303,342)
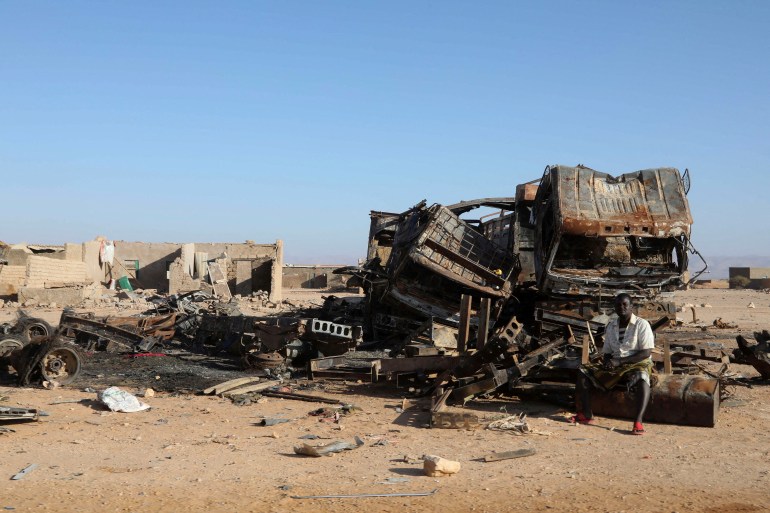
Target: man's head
(623,306)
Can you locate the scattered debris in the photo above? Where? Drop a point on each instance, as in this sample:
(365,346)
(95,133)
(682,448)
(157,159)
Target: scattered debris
(436,466)
(272,422)
(365,495)
(24,472)
(756,355)
(121,401)
(719,323)
(395,480)
(516,423)
(12,413)
(328,449)
(499,456)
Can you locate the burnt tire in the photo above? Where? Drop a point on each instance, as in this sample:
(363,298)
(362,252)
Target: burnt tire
(37,328)
(61,364)
(9,345)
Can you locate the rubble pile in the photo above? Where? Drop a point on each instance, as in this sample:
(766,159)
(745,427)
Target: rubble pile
(456,308)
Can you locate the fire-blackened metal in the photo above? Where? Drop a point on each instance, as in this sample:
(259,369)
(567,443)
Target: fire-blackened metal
(597,232)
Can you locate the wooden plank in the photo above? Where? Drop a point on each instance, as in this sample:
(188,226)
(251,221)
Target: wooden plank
(586,353)
(666,357)
(227,385)
(251,388)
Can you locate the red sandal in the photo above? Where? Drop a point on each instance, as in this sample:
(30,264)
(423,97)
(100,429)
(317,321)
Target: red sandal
(581,419)
(638,429)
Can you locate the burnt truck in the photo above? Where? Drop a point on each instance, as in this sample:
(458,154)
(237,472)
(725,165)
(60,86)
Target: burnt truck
(420,262)
(597,235)
(557,252)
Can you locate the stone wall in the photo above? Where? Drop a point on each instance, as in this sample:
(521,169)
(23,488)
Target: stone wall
(44,272)
(12,278)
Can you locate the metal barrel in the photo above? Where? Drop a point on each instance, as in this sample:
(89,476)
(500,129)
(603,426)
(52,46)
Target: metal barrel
(676,399)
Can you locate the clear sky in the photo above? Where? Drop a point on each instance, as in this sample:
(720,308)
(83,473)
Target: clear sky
(227,121)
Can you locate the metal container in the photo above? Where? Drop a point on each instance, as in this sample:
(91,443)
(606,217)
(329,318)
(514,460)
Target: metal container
(676,399)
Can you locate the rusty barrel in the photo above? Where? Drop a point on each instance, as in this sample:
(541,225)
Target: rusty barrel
(676,399)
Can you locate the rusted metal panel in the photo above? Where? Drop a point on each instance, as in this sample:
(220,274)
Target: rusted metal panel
(389,366)
(526,192)
(340,367)
(676,399)
(647,203)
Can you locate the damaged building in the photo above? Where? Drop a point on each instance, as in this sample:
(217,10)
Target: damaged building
(68,273)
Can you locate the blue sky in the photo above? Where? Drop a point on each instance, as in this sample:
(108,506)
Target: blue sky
(227,121)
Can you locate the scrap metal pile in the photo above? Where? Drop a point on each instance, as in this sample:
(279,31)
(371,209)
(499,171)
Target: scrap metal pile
(512,302)
(522,297)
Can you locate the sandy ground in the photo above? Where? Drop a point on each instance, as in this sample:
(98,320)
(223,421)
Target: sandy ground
(204,453)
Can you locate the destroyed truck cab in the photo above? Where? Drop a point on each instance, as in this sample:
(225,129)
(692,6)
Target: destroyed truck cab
(598,234)
(423,260)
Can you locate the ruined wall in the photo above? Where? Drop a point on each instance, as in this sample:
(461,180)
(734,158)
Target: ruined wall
(313,277)
(268,260)
(42,272)
(17,256)
(249,266)
(180,280)
(154,260)
(90,252)
(276,278)
(73,252)
(12,279)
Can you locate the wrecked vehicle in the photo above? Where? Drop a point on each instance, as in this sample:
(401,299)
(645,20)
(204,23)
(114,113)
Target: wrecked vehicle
(50,358)
(16,335)
(117,333)
(433,258)
(596,235)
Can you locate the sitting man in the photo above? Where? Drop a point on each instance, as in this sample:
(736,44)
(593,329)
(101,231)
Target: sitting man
(628,343)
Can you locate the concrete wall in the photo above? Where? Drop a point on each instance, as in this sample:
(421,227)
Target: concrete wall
(180,279)
(313,277)
(154,260)
(48,272)
(17,256)
(759,277)
(81,263)
(90,252)
(12,279)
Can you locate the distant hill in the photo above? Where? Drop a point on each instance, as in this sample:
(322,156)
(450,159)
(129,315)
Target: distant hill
(719,266)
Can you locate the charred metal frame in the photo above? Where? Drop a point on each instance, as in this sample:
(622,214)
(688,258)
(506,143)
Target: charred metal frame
(597,231)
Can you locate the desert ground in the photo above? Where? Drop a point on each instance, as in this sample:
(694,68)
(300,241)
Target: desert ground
(203,453)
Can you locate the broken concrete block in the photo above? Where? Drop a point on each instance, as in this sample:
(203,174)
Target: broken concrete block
(436,466)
